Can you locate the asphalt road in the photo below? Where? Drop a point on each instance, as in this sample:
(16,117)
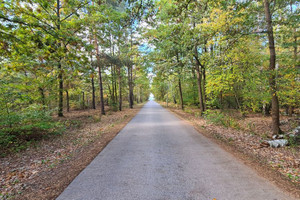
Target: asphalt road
(159,157)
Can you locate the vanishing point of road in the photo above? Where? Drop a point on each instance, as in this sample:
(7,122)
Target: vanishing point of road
(159,157)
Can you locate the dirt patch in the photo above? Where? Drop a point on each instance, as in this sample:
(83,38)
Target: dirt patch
(281,166)
(45,169)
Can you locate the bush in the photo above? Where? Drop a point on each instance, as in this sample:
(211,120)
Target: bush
(219,118)
(214,116)
(19,128)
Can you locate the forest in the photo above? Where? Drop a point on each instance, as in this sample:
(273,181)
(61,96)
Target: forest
(204,57)
(223,54)
(58,56)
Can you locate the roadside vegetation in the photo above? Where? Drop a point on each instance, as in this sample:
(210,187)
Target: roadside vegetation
(232,68)
(220,55)
(57,57)
(71,76)
(242,135)
(46,166)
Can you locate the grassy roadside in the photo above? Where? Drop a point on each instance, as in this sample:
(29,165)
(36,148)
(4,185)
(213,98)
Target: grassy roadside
(242,137)
(45,169)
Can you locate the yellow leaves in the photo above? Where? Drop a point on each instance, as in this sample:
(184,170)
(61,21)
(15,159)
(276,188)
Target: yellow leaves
(210,43)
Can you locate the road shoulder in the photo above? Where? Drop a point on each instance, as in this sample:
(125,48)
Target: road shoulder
(253,161)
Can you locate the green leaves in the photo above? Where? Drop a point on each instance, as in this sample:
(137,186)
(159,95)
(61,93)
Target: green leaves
(230,48)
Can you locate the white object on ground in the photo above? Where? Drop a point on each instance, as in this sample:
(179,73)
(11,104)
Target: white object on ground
(278,143)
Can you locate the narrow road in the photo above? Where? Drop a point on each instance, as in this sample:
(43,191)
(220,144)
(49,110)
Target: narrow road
(159,157)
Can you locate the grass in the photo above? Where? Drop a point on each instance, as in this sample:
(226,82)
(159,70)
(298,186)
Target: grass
(20,130)
(220,118)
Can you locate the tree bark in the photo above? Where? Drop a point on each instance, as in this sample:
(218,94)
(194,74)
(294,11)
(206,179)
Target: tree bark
(199,80)
(68,101)
(100,86)
(174,99)
(100,76)
(93,93)
(221,100)
(204,88)
(60,71)
(194,87)
(83,103)
(204,82)
(272,78)
(61,88)
(141,96)
(116,90)
(266,109)
(130,86)
(180,92)
(112,95)
(120,88)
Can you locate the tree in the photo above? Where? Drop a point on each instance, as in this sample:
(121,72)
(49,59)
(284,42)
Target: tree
(272,78)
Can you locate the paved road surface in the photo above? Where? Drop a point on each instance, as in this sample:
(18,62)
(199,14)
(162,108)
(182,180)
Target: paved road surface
(159,157)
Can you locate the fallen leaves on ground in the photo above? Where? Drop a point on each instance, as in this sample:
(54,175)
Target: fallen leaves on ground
(253,130)
(44,169)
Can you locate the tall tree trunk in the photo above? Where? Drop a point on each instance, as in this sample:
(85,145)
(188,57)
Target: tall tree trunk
(60,71)
(199,83)
(199,80)
(61,89)
(204,88)
(130,86)
(272,78)
(120,88)
(194,87)
(266,109)
(174,99)
(93,93)
(115,80)
(112,86)
(101,87)
(180,92)
(167,99)
(137,97)
(99,75)
(83,103)
(204,82)
(130,76)
(131,91)
(221,100)
(68,101)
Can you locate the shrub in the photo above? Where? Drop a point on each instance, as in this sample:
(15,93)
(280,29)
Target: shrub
(17,129)
(219,118)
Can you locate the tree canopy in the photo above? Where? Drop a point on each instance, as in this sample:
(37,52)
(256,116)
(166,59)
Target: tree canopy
(60,55)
